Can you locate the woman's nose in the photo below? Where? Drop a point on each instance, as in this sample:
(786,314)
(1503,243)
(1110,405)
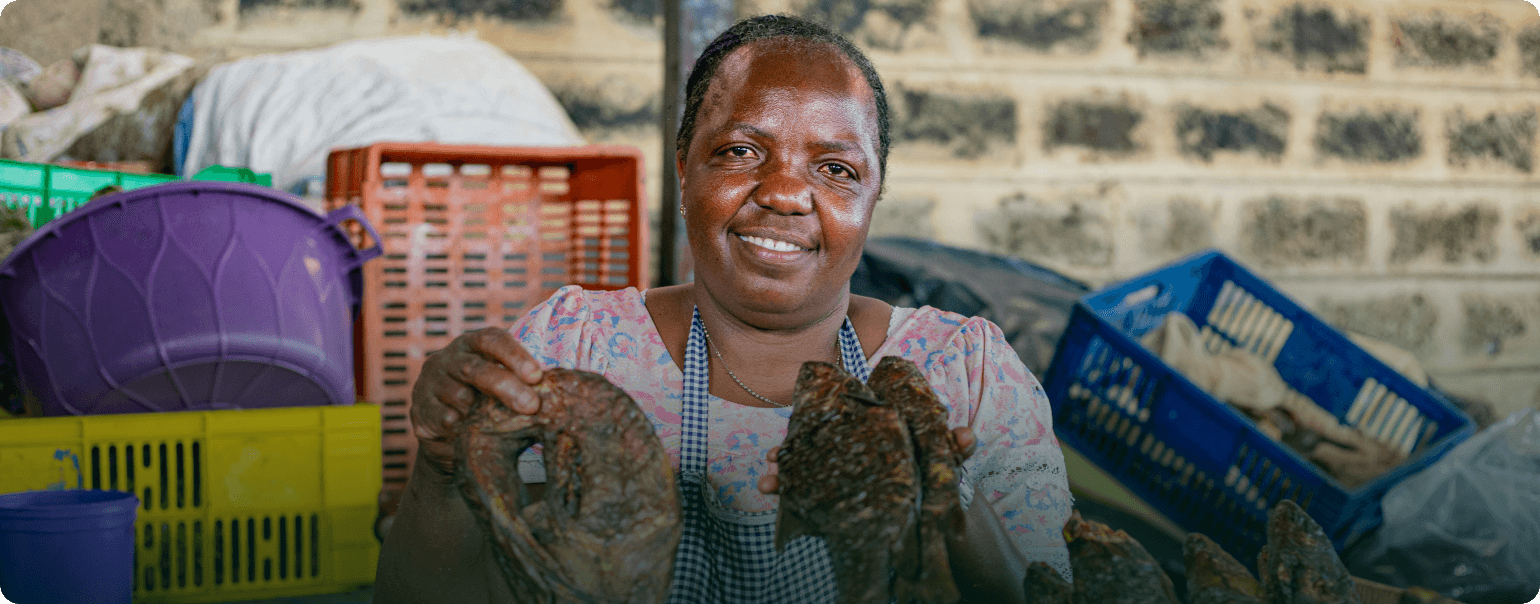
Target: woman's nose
(783,191)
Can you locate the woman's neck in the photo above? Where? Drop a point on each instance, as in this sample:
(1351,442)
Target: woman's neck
(765,359)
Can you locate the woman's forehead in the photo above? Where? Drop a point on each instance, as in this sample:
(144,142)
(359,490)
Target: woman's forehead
(786,63)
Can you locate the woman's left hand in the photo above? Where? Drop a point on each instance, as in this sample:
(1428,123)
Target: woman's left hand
(986,566)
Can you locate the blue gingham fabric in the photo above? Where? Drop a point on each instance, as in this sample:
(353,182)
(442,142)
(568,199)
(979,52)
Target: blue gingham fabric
(728,556)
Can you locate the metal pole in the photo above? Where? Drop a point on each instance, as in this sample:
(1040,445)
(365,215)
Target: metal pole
(668,237)
(688,26)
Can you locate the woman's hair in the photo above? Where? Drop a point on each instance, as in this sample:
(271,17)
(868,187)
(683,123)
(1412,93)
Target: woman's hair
(777,26)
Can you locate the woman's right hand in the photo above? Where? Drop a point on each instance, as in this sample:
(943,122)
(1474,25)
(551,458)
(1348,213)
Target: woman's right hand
(487,362)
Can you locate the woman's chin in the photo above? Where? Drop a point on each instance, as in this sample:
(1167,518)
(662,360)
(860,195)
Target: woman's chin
(780,304)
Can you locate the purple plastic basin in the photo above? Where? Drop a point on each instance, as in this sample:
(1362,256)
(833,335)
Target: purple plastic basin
(187,296)
(67,546)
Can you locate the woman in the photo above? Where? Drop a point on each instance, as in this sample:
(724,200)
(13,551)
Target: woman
(782,155)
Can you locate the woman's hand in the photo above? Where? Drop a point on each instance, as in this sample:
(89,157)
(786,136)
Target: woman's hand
(487,362)
(435,551)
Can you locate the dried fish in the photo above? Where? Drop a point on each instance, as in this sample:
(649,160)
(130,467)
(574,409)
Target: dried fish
(900,383)
(1112,568)
(1299,565)
(608,523)
(1044,585)
(1423,595)
(1216,577)
(848,475)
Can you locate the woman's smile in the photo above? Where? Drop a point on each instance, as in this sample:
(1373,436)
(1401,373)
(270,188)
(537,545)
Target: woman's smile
(774,245)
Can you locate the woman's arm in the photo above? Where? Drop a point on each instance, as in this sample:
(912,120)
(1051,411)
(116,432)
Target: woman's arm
(985,564)
(1019,468)
(436,552)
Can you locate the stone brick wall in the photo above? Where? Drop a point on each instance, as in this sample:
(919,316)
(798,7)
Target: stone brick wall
(1374,158)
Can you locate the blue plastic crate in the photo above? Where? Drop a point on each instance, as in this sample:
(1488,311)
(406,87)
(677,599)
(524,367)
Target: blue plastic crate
(1195,459)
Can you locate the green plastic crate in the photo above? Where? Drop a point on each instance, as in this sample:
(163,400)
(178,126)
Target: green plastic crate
(47,191)
(223,174)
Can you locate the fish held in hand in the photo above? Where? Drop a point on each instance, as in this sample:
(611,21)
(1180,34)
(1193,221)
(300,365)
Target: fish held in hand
(607,526)
(899,383)
(848,475)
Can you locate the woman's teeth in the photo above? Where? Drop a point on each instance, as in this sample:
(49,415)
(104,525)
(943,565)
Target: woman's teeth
(771,244)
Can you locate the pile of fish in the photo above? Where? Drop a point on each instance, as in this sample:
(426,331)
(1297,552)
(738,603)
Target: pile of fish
(608,523)
(871,468)
(1297,566)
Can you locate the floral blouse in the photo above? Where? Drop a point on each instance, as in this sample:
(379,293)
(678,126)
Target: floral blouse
(1018,465)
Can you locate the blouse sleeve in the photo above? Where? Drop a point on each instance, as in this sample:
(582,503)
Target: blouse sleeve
(1018,466)
(558,332)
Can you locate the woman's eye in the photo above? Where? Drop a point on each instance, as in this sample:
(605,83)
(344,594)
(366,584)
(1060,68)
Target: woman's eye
(839,171)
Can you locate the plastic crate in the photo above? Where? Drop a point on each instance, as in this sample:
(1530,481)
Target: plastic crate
(1194,458)
(226,174)
(48,190)
(234,504)
(475,236)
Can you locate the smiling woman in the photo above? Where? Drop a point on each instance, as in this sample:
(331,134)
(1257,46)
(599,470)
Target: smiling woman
(782,156)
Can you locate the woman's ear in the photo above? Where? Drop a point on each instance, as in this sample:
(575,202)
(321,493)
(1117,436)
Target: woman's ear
(679,167)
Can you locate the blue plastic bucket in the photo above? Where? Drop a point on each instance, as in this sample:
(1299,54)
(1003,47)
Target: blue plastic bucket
(67,546)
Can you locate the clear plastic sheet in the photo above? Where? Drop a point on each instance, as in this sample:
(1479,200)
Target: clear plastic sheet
(1469,525)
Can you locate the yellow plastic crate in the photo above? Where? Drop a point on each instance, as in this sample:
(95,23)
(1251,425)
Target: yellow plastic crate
(233,504)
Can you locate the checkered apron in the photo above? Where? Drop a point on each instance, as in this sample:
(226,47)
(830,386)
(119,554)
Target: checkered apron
(729,556)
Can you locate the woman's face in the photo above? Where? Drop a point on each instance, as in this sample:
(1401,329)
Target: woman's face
(779,181)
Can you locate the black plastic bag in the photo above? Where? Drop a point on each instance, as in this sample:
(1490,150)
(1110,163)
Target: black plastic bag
(1031,304)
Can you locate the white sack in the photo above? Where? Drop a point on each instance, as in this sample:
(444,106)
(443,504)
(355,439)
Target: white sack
(282,114)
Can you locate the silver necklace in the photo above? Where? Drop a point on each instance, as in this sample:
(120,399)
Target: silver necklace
(730,373)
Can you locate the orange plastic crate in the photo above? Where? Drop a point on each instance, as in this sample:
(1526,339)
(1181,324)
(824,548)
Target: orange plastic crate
(474,237)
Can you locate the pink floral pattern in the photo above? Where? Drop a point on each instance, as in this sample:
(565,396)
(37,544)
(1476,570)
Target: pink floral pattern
(1018,466)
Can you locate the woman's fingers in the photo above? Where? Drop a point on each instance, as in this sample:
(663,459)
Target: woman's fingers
(489,362)
(499,345)
(770,484)
(493,379)
(965,441)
